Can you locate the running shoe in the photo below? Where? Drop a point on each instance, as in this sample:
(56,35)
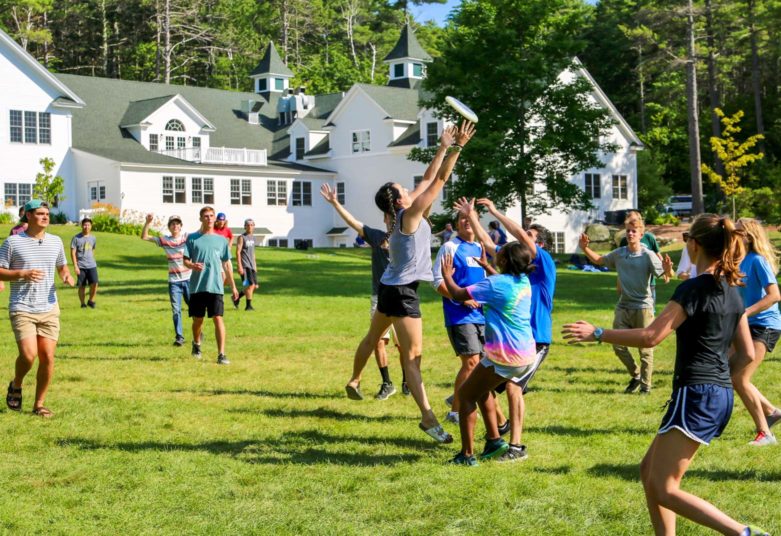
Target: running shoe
(494,448)
(462,459)
(763,439)
(196,351)
(645,391)
(773,418)
(179,341)
(249,308)
(503,429)
(404,389)
(514,454)
(222,360)
(452,416)
(633,387)
(353,393)
(386,391)
(449,401)
(91,304)
(751,530)
(236,302)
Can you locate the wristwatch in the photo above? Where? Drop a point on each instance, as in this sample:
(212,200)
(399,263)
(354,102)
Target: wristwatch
(598,334)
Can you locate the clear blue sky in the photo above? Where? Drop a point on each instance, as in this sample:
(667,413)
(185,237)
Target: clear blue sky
(439,12)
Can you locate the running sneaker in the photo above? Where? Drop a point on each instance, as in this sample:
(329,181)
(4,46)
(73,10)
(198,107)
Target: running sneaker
(386,391)
(222,360)
(196,351)
(514,454)
(91,304)
(404,389)
(633,387)
(494,448)
(249,307)
(763,439)
(503,429)
(449,401)
(462,459)
(236,303)
(751,530)
(353,392)
(179,341)
(773,418)
(452,416)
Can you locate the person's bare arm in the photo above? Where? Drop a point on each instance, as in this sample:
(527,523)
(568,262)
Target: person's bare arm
(65,275)
(239,266)
(332,198)
(75,261)
(33,275)
(771,298)
(512,227)
(447,139)
(145,230)
(593,256)
(467,208)
(227,268)
(457,293)
(742,347)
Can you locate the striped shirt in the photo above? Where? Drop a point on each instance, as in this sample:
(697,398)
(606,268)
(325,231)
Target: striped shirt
(22,252)
(174,249)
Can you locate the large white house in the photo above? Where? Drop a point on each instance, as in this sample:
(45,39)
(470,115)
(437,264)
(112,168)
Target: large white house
(146,147)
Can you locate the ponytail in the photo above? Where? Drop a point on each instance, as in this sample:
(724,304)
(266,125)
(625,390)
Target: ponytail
(722,242)
(385,199)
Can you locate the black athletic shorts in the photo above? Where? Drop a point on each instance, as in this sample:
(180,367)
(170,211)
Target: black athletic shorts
(399,300)
(87,276)
(250,277)
(203,302)
(765,335)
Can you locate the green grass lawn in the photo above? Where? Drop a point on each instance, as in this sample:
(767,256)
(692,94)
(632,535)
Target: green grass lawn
(147,440)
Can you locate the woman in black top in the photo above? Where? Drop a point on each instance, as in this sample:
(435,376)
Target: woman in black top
(708,316)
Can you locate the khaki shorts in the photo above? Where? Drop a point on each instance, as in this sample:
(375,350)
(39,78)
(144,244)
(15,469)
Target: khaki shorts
(45,325)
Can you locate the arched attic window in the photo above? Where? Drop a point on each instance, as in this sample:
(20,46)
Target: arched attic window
(175,125)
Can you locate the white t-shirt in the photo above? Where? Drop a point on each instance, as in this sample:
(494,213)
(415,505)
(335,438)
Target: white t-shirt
(686,264)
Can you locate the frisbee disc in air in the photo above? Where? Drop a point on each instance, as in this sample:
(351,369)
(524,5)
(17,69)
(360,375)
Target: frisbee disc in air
(464,110)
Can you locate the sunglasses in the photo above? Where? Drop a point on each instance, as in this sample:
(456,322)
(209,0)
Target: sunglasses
(685,237)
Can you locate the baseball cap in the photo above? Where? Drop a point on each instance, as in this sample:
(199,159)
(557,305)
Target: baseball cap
(173,219)
(221,216)
(33,204)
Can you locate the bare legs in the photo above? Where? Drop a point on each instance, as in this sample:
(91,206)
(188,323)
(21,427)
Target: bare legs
(93,290)
(29,348)
(517,411)
(661,471)
(476,391)
(468,364)
(219,332)
(757,405)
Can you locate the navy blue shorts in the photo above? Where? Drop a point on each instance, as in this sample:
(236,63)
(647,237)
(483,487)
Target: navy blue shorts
(700,412)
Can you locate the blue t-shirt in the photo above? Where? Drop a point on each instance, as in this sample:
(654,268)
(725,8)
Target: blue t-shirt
(758,276)
(543,281)
(212,250)
(467,272)
(506,303)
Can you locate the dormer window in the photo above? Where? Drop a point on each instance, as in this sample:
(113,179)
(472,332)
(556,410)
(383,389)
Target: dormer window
(398,70)
(175,125)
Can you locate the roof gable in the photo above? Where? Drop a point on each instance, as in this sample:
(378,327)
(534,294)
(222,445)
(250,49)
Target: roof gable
(271,63)
(139,111)
(408,47)
(396,103)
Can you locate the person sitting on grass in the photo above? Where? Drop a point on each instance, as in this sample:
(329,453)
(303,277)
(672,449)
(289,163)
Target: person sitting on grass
(708,317)
(636,266)
(510,350)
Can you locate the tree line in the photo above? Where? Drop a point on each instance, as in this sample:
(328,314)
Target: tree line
(668,66)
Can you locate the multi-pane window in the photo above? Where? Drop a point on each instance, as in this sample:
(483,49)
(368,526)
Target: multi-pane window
(96,191)
(169,143)
(432,135)
(361,141)
(593,185)
(175,125)
(276,193)
(196,142)
(417,70)
(277,242)
(16,126)
(208,190)
(303,243)
(340,193)
(30,127)
(196,190)
(154,142)
(17,194)
(173,190)
(180,142)
(558,242)
(302,194)
(241,192)
(300,143)
(620,187)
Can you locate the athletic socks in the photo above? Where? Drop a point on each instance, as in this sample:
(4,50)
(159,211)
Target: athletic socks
(385,375)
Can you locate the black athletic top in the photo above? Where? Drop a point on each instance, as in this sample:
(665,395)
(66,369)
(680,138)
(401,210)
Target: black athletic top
(713,311)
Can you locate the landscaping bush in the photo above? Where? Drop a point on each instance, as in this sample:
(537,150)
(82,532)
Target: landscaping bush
(58,217)
(7,217)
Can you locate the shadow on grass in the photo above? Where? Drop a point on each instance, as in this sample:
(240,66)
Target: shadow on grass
(302,448)
(573,431)
(561,470)
(320,413)
(631,472)
(260,392)
(67,357)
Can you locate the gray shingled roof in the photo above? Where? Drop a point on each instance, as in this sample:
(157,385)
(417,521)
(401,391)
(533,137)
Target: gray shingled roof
(408,47)
(411,136)
(400,103)
(137,111)
(271,63)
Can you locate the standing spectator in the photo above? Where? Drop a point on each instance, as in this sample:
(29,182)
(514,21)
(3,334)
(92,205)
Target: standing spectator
(207,254)
(245,261)
(648,240)
(178,274)
(222,229)
(28,260)
(83,257)
(497,234)
(686,270)
(21,226)
(446,234)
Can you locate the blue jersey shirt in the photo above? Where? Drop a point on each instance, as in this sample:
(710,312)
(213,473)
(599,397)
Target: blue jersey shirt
(758,276)
(467,272)
(543,281)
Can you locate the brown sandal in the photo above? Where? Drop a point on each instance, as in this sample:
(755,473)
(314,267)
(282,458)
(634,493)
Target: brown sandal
(14,397)
(46,413)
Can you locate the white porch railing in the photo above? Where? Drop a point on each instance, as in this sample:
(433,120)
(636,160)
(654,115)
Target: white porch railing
(220,155)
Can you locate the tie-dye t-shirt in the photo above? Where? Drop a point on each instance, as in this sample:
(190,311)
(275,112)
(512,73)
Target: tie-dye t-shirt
(506,303)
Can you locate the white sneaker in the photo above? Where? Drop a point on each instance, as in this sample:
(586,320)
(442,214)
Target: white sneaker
(763,439)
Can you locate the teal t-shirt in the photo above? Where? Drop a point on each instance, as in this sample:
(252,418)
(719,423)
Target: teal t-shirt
(212,250)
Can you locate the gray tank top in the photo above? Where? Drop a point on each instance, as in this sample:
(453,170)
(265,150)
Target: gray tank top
(410,254)
(248,251)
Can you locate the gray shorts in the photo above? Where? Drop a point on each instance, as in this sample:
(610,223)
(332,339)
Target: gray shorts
(467,339)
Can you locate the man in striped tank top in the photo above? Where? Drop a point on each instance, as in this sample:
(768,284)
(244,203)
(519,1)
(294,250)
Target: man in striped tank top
(28,260)
(178,273)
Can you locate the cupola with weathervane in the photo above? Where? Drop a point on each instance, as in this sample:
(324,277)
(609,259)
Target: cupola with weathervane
(407,61)
(271,75)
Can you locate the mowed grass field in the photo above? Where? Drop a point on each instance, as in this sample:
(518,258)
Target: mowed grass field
(146,440)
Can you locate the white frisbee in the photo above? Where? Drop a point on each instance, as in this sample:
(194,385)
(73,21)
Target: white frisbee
(464,110)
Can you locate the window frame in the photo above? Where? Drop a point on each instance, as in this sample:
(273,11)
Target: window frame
(301,195)
(241,192)
(592,185)
(396,73)
(620,186)
(432,138)
(300,148)
(276,193)
(30,127)
(341,192)
(559,242)
(174,125)
(154,142)
(16,124)
(361,141)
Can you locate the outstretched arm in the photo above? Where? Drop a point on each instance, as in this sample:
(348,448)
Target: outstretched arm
(593,256)
(466,207)
(331,197)
(512,227)
(145,230)
(447,139)
(457,293)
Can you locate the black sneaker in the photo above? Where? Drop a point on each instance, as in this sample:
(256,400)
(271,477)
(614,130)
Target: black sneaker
(249,308)
(634,386)
(179,341)
(222,360)
(503,429)
(404,389)
(236,302)
(386,390)
(514,454)
(773,418)
(645,391)
(196,350)
(83,305)
(91,304)
(494,448)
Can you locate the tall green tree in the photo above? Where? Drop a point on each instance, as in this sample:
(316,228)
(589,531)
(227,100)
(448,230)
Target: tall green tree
(537,129)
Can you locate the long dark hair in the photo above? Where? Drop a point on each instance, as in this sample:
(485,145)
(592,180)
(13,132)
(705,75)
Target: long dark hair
(721,241)
(515,258)
(385,199)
